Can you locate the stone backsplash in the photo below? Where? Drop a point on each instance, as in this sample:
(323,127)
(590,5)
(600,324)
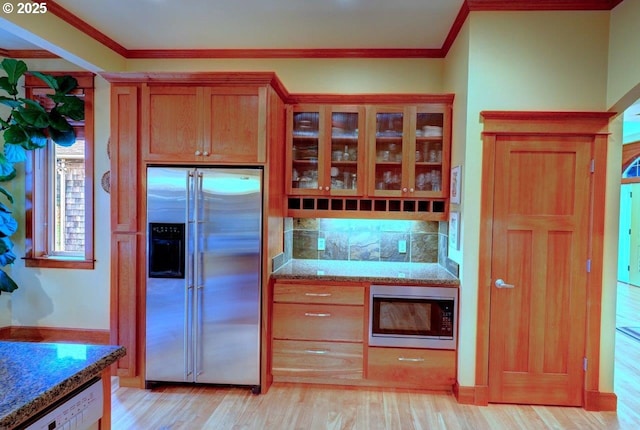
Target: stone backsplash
(366,240)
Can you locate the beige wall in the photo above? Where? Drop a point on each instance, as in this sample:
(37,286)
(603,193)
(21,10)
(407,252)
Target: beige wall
(517,61)
(340,76)
(59,297)
(457,82)
(51,33)
(623,86)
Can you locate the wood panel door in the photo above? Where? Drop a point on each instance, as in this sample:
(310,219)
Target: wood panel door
(540,249)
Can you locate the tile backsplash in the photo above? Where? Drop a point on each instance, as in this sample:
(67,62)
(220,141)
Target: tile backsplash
(366,240)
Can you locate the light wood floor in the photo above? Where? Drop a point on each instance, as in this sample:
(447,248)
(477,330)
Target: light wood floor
(311,407)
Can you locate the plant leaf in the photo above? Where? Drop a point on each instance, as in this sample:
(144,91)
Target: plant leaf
(14,68)
(15,134)
(8,225)
(7,170)
(71,106)
(7,258)
(51,81)
(37,139)
(66,84)
(12,90)
(37,118)
(17,118)
(14,154)
(33,104)
(57,121)
(6,283)
(5,244)
(62,138)
(7,194)
(8,101)
(3,207)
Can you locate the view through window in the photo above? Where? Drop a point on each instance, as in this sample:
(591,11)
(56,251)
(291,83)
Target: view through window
(67,191)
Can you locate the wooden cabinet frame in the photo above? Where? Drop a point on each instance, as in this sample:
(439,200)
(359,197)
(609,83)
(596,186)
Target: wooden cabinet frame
(368,202)
(130,156)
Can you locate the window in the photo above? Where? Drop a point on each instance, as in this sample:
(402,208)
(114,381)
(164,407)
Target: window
(59,190)
(633,171)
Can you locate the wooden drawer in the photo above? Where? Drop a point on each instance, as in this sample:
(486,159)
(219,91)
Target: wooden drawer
(306,359)
(312,293)
(412,368)
(318,322)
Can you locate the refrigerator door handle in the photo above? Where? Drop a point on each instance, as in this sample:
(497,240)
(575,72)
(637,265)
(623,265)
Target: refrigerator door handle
(198,282)
(188,303)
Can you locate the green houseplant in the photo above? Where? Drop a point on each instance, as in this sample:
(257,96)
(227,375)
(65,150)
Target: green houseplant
(26,125)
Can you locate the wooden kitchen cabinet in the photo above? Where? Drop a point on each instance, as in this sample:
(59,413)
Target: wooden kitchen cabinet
(318,322)
(171,123)
(326,150)
(204,124)
(175,118)
(431,369)
(402,169)
(317,332)
(235,123)
(317,360)
(409,151)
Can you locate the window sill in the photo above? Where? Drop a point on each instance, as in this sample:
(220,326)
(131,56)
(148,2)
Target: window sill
(58,263)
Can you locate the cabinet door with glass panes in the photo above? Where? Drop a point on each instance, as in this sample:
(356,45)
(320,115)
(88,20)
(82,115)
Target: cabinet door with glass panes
(408,151)
(431,140)
(326,150)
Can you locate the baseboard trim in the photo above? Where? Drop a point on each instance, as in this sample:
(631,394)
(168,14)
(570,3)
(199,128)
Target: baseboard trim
(597,401)
(477,395)
(54,334)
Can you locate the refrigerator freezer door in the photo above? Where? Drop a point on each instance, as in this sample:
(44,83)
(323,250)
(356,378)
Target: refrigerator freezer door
(169,300)
(228,285)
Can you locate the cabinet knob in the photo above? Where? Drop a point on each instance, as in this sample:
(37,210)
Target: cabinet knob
(327,188)
(411,190)
(320,188)
(404,190)
(205,153)
(197,152)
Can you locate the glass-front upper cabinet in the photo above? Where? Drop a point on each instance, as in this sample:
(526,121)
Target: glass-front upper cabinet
(408,154)
(326,150)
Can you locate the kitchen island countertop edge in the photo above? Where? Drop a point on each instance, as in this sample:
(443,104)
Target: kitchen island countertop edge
(34,375)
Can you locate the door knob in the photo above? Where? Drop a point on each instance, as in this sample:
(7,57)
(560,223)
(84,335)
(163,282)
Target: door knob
(501,284)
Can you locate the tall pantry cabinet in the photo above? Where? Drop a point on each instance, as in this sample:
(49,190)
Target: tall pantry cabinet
(217,119)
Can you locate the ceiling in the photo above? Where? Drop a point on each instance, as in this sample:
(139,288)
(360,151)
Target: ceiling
(262,24)
(153,28)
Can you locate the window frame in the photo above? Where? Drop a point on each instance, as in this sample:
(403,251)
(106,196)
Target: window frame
(36,185)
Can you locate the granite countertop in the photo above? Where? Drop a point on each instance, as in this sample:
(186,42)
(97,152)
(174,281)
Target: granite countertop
(34,375)
(368,271)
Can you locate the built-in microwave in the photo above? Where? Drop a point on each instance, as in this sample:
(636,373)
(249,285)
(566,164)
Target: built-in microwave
(413,316)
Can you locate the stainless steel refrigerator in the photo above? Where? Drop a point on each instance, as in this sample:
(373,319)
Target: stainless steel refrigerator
(203,275)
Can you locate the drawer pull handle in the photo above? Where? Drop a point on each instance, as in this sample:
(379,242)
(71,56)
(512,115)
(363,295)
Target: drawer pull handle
(316,314)
(316,351)
(413,360)
(318,294)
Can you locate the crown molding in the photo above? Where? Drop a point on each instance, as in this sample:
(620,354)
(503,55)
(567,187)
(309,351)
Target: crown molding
(83,26)
(284,53)
(530,5)
(467,7)
(27,53)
